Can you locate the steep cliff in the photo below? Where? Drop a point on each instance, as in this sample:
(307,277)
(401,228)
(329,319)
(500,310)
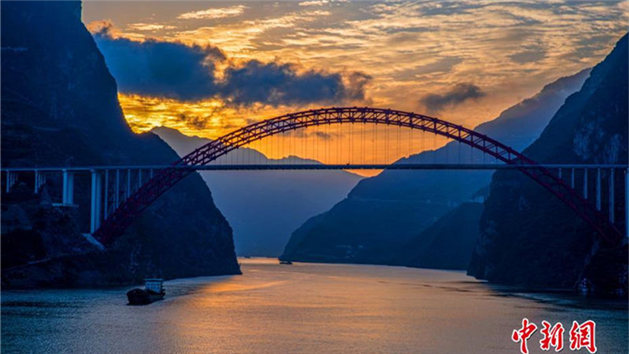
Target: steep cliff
(60,107)
(530,238)
(383,214)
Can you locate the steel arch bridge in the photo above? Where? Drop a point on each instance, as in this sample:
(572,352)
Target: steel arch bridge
(122,217)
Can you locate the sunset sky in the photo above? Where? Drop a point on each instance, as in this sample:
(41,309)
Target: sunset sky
(206,68)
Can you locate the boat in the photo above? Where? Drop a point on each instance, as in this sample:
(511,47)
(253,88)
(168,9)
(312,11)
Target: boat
(153,291)
(285,262)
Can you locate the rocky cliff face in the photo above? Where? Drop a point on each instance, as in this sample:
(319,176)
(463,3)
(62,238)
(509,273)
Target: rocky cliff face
(530,238)
(384,214)
(59,107)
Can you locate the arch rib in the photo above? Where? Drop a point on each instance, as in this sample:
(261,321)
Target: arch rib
(124,215)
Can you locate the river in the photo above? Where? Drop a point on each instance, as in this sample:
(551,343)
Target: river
(303,307)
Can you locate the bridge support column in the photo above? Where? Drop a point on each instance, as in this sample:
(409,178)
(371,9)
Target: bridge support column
(139,180)
(128,194)
(151,173)
(611,195)
(95,201)
(117,195)
(40,179)
(559,173)
(11,179)
(67,197)
(106,200)
(572,179)
(627,202)
(585,183)
(598,189)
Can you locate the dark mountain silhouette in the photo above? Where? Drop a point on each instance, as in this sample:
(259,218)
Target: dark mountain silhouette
(264,207)
(60,107)
(446,244)
(383,214)
(530,238)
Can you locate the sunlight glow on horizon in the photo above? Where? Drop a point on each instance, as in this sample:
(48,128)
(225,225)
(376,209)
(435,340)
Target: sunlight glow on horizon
(330,144)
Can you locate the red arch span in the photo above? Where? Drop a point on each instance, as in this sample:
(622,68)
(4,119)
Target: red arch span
(128,210)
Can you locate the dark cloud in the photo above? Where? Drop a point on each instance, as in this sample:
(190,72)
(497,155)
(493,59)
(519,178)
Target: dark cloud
(277,84)
(162,69)
(175,70)
(303,133)
(528,56)
(355,85)
(457,95)
(199,121)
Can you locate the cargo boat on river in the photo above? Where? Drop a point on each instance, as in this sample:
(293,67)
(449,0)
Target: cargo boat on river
(153,291)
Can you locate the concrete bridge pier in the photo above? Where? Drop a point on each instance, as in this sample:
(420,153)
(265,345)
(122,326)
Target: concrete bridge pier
(585,183)
(128,191)
(572,178)
(40,180)
(106,201)
(627,202)
(611,196)
(598,189)
(11,178)
(117,195)
(67,195)
(95,211)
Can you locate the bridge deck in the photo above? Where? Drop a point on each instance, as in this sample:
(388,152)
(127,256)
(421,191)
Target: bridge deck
(281,166)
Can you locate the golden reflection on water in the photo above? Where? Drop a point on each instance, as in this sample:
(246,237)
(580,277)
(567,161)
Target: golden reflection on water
(308,308)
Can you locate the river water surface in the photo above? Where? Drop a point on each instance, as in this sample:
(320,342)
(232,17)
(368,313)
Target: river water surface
(303,307)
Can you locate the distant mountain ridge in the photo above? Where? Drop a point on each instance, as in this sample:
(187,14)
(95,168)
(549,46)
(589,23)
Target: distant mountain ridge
(384,213)
(264,207)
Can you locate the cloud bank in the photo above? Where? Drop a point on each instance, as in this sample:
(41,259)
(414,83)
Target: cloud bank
(458,94)
(213,13)
(186,72)
(160,69)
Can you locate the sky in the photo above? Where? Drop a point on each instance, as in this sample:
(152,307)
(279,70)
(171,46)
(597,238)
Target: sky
(209,67)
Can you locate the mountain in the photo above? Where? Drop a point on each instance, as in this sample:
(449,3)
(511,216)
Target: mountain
(448,243)
(383,214)
(60,108)
(264,207)
(530,238)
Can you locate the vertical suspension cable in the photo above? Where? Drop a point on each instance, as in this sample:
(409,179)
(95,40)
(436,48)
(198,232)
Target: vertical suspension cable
(364,155)
(348,146)
(408,143)
(434,147)
(397,143)
(387,141)
(447,152)
(458,146)
(373,144)
(471,154)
